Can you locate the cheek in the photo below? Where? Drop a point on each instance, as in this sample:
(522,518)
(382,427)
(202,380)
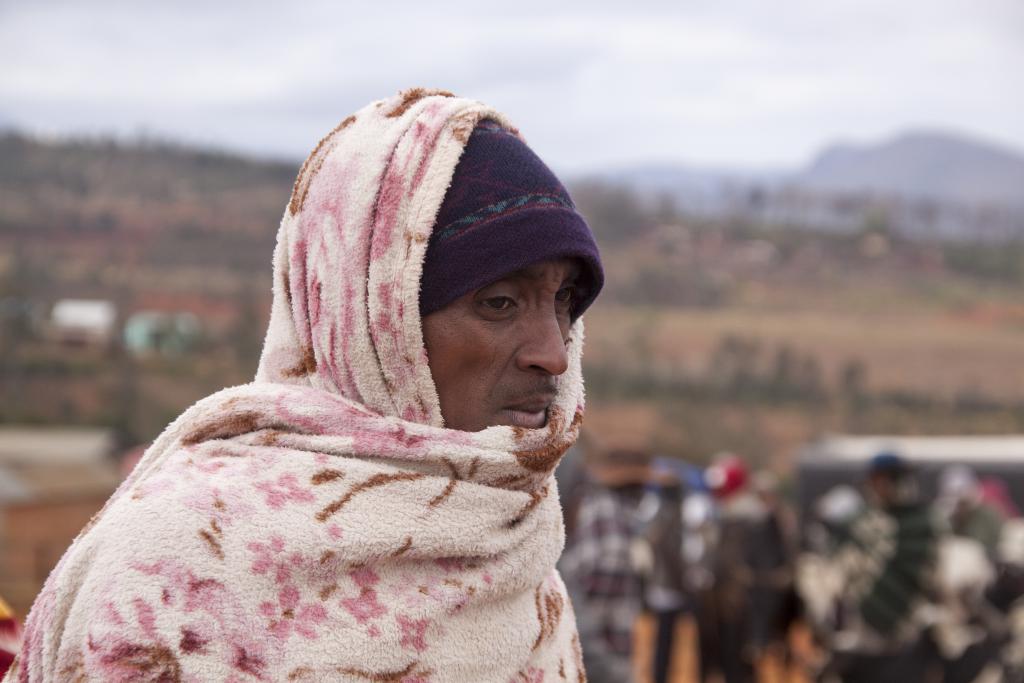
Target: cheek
(463,362)
(474,363)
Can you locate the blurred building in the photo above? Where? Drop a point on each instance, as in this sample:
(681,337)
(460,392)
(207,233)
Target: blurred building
(83,322)
(52,480)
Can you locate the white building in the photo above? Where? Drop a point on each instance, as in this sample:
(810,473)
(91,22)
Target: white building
(83,322)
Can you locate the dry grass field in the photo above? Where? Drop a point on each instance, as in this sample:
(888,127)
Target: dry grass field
(934,351)
(935,354)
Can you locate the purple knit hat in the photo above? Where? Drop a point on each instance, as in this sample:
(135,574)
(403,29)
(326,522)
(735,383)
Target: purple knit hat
(504,211)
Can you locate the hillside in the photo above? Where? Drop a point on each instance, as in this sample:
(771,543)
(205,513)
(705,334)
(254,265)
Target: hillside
(139,192)
(81,208)
(941,166)
(729,330)
(925,185)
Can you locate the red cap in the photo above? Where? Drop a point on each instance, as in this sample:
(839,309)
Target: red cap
(726,476)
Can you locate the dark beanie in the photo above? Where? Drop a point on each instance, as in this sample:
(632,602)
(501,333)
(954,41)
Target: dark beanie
(889,464)
(504,211)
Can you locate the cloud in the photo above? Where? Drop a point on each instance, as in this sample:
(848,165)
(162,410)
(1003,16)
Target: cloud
(730,82)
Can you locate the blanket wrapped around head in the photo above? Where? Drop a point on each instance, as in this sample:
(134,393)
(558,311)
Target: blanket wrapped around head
(320,523)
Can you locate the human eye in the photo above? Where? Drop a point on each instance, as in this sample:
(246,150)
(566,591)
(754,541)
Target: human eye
(499,304)
(566,295)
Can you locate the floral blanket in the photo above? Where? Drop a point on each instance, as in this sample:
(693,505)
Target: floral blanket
(320,523)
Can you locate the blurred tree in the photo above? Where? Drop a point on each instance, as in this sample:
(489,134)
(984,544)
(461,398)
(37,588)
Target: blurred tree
(811,382)
(614,213)
(877,221)
(853,378)
(1002,262)
(734,365)
(783,379)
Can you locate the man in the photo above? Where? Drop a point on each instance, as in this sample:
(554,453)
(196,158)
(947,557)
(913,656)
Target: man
(889,560)
(970,515)
(725,610)
(378,505)
(665,585)
(773,599)
(599,562)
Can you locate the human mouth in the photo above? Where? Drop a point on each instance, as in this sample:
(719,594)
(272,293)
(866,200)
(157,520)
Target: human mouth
(531,414)
(526,418)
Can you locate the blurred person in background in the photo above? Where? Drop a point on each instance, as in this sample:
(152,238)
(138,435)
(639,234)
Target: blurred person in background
(960,628)
(962,502)
(700,537)
(661,513)
(981,580)
(1006,594)
(996,494)
(751,601)
(888,562)
(725,623)
(378,504)
(599,561)
(833,515)
(773,599)
(819,580)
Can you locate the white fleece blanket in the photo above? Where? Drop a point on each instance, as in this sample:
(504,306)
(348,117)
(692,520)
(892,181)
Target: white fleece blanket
(320,523)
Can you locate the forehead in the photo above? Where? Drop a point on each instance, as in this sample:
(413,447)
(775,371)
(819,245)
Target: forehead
(560,269)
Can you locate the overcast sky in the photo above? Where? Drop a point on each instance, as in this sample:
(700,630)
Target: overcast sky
(708,82)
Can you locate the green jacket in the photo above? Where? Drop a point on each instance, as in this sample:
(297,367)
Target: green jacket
(891,557)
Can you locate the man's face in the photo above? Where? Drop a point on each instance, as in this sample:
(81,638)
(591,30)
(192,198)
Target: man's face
(881,489)
(495,352)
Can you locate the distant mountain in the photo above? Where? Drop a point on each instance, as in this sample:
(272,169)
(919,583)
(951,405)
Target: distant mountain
(922,164)
(941,166)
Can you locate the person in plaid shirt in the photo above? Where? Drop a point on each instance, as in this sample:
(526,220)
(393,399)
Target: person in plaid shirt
(598,563)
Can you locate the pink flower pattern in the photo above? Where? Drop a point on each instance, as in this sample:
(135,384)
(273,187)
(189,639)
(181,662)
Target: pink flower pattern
(285,489)
(413,631)
(365,606)
(289,615)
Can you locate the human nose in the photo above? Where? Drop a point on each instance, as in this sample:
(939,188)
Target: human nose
(545,346)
